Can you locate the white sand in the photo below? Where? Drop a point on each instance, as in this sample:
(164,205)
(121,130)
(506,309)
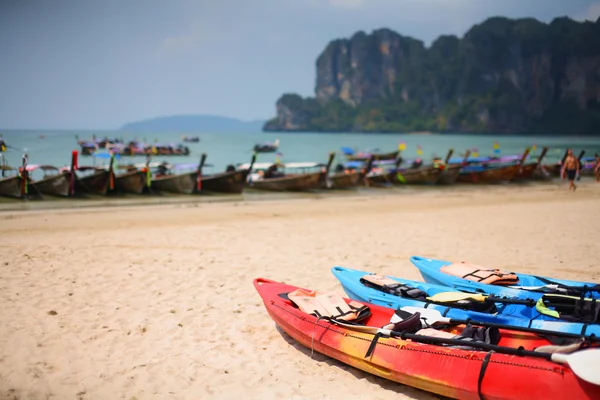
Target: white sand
(157,302)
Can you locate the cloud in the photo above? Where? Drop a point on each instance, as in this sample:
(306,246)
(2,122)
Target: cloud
(591,13)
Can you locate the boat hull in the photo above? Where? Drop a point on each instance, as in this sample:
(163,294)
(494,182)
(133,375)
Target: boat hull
(232,182)
(491,175)
(376,157)
(416,176)
(11,187)
(55,185)
(343,180)
(131,182)
(290,183)
(424,366)
(449,175)
(180,184)
(96,183)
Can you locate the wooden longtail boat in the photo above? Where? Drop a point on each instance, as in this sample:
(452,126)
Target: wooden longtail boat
(231,181)
(174,183)
(384,178)
(10,186)
(135,180)
(491,174)
(97,182)
(451,170)
(56,184)
(274,181)
(347,178)
(528,170)
(365,156)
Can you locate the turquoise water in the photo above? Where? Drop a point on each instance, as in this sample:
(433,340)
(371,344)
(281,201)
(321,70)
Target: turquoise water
(231,148)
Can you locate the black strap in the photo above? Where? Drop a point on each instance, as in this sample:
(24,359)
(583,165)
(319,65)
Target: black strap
(484,365)
(373,344)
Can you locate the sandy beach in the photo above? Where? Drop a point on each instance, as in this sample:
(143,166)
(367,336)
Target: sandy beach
(157,302)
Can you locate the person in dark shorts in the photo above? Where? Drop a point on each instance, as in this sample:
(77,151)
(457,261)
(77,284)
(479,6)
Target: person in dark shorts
(571,168)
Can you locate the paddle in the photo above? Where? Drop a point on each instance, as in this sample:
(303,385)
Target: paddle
(583,363)
(452,297)
(433,317)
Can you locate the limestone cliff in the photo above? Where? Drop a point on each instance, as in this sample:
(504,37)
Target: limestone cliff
(503,76)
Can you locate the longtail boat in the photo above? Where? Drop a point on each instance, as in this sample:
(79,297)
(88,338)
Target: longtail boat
(231,181)
(421,174)
(352,155)
(381,175)
(528,170)
(166,179)
(135,180)
(266,147)
(53,183)
(345,178)
(96,181)
(270,178)
(10,186)
(486,172)
(452,169)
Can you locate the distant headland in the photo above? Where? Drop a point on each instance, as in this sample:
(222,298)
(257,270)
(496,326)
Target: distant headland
(194,123)
(504,76)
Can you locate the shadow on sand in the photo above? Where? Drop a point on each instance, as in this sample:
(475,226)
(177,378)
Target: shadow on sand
(383,383)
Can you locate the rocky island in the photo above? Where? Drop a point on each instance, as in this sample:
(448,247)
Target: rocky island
(503,76)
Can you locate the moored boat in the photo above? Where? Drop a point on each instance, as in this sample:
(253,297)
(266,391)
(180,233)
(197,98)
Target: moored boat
(275,176)
(167,179)
(231,181)
(352,155)
(267,147)
(10,185)
(452,169)
(529,170)
(489,170)
(399,346)
(345,178)
(54,182)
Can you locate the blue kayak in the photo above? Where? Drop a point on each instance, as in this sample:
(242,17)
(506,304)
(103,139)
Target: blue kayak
(394,292)
(476,279)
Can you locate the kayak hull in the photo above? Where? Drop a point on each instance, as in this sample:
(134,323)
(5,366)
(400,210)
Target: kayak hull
(430,271)
(508,314)
(424,366)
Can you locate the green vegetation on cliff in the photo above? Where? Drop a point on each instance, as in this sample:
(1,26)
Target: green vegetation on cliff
(503,76)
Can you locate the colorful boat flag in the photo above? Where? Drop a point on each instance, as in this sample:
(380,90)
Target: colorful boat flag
(419,150)
(277,155)
(533,147)
(496,147)
(402,146)
(475,152)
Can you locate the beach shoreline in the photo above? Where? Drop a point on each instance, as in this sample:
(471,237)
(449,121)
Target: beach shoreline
(156,300)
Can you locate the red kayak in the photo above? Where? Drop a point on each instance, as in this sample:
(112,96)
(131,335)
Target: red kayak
(464,371)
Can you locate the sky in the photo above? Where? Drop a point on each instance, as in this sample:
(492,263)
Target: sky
(98,64)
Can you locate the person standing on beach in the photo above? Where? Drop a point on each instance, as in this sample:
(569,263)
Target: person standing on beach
(597,167)
(571,167)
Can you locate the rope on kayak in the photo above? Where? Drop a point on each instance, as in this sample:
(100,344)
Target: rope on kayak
(484,365)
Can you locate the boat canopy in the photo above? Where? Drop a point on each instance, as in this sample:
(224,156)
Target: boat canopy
(105,155)
(33,167)
(256,166)
(347,150)
(299,165)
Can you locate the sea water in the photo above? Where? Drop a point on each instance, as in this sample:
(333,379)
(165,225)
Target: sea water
(54,147)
